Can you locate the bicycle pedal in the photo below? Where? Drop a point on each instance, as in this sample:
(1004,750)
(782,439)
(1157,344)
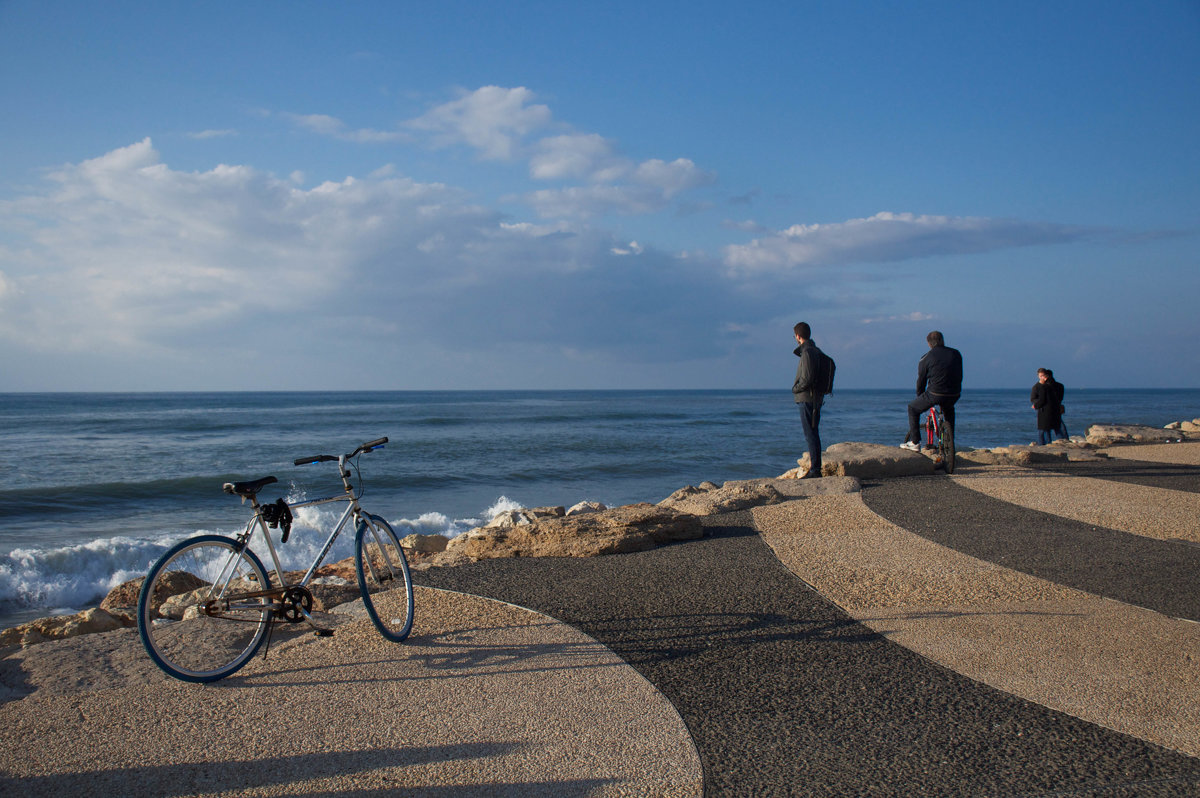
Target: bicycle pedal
(323,632)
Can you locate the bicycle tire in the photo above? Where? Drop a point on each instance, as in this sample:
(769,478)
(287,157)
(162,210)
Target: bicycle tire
(383,577)
(947,447)
(182,640)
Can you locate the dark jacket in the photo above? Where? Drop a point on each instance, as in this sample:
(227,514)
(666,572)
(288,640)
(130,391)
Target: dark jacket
(806,373)
(940,372)
(1047,397)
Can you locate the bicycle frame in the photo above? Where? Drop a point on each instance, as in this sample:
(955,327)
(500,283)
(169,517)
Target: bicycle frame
(933,426)
(352,511)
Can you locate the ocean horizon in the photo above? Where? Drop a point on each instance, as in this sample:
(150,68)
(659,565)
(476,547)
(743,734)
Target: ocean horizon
(94,486)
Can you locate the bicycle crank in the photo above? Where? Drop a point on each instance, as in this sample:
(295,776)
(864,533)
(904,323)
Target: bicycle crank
(296,605)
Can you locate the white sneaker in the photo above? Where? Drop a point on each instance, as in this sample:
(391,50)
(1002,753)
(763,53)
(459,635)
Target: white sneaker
(912,447)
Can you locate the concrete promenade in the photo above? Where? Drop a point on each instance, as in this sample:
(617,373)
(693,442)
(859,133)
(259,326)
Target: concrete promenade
(1005,631)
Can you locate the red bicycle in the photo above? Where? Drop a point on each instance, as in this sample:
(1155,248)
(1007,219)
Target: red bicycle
(940,438)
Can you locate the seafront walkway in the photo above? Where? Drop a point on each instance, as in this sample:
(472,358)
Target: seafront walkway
(982,634)
(1004,631)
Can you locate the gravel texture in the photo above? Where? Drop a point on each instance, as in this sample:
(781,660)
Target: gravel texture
(482,699)
(785,693)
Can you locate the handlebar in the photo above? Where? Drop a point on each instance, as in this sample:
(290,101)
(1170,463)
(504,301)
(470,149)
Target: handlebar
(370,446)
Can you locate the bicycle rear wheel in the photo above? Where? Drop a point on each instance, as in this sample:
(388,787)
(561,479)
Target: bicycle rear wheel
(184,640)
(946,445)
(383,577)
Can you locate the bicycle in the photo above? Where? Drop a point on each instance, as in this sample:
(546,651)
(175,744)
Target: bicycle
(207,605)
(940,437)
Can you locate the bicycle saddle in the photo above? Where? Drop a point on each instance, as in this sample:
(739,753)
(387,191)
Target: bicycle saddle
(247,490)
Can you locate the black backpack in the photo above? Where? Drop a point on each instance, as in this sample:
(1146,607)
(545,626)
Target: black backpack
(825,369)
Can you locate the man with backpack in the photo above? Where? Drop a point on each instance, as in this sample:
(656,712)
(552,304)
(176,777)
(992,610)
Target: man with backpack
(814,379)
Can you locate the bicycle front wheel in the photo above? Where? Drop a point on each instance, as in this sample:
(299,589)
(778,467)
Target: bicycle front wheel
(196,618)
(383,577)
(946,444)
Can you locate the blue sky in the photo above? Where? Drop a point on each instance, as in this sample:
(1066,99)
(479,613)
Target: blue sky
(393,195)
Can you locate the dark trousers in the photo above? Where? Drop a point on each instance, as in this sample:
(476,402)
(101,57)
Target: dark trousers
(810,419)
(922,403)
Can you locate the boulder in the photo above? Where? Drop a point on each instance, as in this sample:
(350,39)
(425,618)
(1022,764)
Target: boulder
(332,591)
(586,507)
(170,584)
(60,627)
(730,497)
(870,460)
(1017,455)
(425,543)
(342,569)
(1110,434)
(524,516)
(634,527)
(124,595)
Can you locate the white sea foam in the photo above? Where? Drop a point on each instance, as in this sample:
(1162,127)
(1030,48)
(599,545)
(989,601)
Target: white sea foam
(72,576)
(64,577)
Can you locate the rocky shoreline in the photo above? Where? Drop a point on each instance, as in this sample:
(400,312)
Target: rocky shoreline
(590,529)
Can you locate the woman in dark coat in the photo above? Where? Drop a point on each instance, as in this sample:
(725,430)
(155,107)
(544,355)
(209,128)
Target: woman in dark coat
(1046,398)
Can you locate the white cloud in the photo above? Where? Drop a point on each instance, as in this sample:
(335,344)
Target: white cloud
(492,119)
(212,134)
(506,124)
(584,202)
(333,127)
(125,259)
(125,251)
(671,178)
(576,155)
(891,237)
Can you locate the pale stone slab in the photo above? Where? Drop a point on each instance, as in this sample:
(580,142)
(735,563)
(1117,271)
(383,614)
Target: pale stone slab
(483,698)
(1137,509)
(1123,667)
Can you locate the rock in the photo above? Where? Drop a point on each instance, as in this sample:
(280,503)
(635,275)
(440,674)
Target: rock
(1017,455)
(871,460)
(425,543)
(183,606)
(171,584)
(586,507)
(1109,434)
(634,527)
(327,595)
(60,627)
(124,595)
(731,497)
(342,569)
(524,516)
(1190,426)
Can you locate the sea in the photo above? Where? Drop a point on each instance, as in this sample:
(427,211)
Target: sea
(94,487)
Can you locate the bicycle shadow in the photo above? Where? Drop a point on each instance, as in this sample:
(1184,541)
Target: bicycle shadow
(380,772)
(460,653)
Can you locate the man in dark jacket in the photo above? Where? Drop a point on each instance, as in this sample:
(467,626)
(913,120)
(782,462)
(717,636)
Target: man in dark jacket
(939,382)
(809,394)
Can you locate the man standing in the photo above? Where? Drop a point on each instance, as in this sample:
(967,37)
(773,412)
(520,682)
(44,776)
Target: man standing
(939,382)
(809,388)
